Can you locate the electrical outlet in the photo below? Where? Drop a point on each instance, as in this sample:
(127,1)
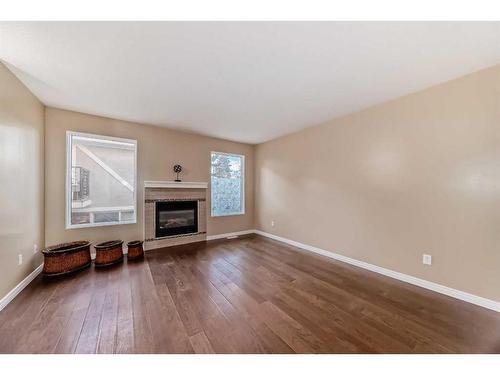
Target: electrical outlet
(20,259)
(272,223)
(427,259)
(35,248)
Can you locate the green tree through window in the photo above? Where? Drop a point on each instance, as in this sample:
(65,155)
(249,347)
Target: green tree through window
(227,184)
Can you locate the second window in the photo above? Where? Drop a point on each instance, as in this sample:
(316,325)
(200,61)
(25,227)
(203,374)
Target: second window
(227,184)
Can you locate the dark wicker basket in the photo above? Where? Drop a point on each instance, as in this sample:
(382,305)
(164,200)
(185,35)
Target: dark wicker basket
(66,257)
(135,250)
(108,253)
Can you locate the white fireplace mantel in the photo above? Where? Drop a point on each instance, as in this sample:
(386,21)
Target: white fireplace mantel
(174,184)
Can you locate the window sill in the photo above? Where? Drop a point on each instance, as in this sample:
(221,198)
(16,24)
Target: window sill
(225,215)
(94,225)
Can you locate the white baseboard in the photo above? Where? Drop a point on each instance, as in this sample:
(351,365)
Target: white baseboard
(19,287)
(232,234)
(458,294)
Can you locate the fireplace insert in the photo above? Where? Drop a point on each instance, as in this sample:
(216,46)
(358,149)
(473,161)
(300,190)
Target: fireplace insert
(176,217)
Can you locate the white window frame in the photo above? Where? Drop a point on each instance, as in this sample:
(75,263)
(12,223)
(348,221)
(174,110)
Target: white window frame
(243,193)
(69,135)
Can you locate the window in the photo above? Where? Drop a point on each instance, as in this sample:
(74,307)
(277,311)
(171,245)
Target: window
(227,184)
(100,180)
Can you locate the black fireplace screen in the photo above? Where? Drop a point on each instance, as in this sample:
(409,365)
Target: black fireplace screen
(176,217)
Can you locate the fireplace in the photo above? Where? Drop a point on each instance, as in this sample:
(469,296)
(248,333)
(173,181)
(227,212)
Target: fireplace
(175,218)
(175,213)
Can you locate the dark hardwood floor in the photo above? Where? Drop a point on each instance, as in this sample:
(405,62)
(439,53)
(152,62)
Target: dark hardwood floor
(249,295)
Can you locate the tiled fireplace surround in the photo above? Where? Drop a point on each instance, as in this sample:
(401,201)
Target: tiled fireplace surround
(155,191)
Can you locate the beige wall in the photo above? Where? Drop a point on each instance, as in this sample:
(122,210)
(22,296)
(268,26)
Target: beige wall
(158,150)
(21,180)
(420,174)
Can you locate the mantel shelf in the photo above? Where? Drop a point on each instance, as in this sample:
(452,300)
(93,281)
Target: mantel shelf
(174,184)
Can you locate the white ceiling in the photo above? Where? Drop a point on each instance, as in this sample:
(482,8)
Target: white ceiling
(243,81)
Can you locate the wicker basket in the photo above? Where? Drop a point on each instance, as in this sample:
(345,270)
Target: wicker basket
(135,250)
(66,257)
(108,253)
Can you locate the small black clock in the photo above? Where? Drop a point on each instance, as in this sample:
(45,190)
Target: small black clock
(177,170)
